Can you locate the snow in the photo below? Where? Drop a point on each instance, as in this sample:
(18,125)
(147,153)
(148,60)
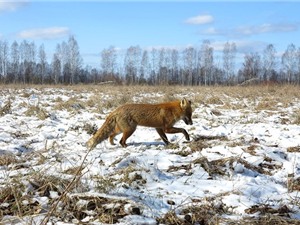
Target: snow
(147,174)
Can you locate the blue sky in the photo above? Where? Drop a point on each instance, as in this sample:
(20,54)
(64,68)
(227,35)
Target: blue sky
(99,24)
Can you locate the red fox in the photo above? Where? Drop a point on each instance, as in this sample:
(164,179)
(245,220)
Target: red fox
(161,116)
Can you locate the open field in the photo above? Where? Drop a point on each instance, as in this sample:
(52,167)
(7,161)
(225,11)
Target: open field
(242,165)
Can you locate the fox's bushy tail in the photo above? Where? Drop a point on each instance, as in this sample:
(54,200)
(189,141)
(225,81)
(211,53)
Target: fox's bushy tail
(103,133)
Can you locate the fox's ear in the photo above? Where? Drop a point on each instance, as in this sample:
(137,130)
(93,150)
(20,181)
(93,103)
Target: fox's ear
(184,103)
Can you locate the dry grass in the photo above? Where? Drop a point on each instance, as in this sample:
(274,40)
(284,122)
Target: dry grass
(37,111)
(8,159)
(260,97)
(296,117)
(211,213)
(20,196)
(106,210)
(6,108)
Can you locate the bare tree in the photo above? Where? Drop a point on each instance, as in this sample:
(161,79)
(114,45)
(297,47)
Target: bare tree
(75,60)
(298,66)
(56,68)
(162,76)
(15,61)
(189,63)
(269,57)
(132,62)
(145,67)
(27,56)
(289,62)
(42,62)
(207,61)
(108,62)
(65,62)
(154,66)
(229,54)
(94,75)
(251,66)
(3,58)
(175,66)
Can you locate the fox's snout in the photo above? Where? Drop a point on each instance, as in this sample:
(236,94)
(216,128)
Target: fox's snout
(188,121)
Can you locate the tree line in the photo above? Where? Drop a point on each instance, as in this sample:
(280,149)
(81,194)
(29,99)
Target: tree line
(27,63)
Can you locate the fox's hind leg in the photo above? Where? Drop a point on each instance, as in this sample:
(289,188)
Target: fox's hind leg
(126,134)
(113,134)
(127,126)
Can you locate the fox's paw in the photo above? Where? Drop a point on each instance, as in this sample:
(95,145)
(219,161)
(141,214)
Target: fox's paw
(187,137)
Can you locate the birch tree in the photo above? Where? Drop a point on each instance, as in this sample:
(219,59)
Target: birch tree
(145,67)
(75,60)
(207,61)
(229,54)
(298,66)
(269,63)
(289,62)
(3,58)
(42,62)
(154,66)
(15,61)
(189,63)
(251,66)
(108,62)
(132,62)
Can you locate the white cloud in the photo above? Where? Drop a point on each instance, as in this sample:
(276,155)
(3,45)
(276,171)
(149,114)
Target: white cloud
(201,19)
(242,46)
(265,28)
(12,6)
(251,30)
(212,31)
(45,33)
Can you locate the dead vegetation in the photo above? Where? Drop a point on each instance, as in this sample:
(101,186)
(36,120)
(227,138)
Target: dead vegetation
(6,108)
(18,197)
(7,159)
(76,208)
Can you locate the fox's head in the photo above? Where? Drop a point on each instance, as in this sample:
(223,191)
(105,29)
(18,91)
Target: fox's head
(187,111)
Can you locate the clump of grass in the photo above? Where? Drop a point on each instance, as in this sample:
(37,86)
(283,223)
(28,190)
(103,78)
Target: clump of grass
(37,111)
(268,219)
(19,195)
(201,142)
(6,109)
(296,117)
(103,209)
(170,218)
(293,149)
(214,100)
(15,202)
(266,104)
(90,129)
(131,175)
(208,213)
(104,184)
(266,209)
(72,105)
(293,184)
(7,159)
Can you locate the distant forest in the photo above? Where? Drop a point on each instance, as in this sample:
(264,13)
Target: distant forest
(28,64)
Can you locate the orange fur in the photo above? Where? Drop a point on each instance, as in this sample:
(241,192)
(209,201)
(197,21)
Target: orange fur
(161,116)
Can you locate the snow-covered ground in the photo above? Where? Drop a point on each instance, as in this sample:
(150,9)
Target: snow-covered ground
(243,161)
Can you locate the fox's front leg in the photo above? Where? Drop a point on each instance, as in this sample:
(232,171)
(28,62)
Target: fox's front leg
(173,130)
(162,135)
